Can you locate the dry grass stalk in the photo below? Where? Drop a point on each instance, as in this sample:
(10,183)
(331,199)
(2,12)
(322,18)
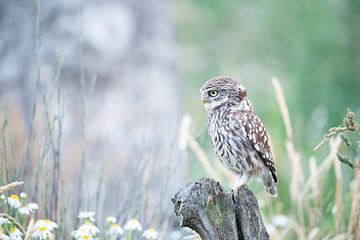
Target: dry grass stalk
(331,132)
(201,156)
(349,125)
(10,186)
(29,230)
(354,219)
(224,171)
(13,221)
(324,166)
(338,193)
(294,156)
(186,139)
(315,185)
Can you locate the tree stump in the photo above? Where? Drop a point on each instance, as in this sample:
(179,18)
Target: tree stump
(215,215)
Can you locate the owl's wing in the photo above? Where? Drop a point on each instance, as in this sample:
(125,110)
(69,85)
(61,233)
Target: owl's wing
(259,140)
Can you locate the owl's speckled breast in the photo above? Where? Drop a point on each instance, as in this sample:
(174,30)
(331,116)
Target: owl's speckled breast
(228,142)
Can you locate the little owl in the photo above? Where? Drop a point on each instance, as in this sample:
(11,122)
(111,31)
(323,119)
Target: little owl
(237,135)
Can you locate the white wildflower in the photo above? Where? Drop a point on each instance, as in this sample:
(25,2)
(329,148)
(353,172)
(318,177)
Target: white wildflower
(50,225)
(90,228)
(151,233)
(33,206)
(115,229)
(111,220)
(4,236)
(14,201)
(15,234)
(334,210)
(28,208)
(4,221)
(133,224)
(81,235)
(24,210)
(87,215)
(23,195)
(42,231)
(281,221)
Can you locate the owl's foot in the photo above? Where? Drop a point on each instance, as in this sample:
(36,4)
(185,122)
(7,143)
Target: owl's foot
(240,182)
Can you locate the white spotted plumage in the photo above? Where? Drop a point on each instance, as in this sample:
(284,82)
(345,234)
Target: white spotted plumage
(237,135)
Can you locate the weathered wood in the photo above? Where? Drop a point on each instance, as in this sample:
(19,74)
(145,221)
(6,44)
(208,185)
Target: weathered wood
(206,208)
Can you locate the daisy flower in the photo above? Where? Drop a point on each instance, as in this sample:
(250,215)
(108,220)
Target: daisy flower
(14,201)
(24,210)
(33,206)
(23,195)
(281,221)
(151,233)
(42,231)
(4,237)
(28,208)
(81,235)
(133,224)
(111,220)
(15,234)
(87,215)
(115,229)
(90,228)
(50,225)
(2,197)
(4,221)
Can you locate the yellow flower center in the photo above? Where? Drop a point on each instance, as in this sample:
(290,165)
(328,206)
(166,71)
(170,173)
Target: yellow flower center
(42,228)
(14,196)
(88,223)
(86,237)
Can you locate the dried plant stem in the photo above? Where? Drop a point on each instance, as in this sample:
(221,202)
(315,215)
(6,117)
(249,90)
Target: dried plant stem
(201,156)
(294,156)
(315,185)
(338,193)
(349,125)
(354,219)
(297,179)
(13,221)
(324,166)
(279,93)
(10,186)
(187,140)
(29,230)
(331,132)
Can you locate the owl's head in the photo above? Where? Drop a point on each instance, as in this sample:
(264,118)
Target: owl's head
(222,91)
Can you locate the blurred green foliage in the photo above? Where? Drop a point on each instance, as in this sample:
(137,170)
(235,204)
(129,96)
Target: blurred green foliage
(313,47)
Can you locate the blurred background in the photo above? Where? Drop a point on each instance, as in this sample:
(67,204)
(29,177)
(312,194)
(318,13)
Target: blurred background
(93,96)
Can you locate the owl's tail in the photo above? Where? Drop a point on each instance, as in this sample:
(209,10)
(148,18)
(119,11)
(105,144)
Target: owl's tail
(271,189)
(269,184)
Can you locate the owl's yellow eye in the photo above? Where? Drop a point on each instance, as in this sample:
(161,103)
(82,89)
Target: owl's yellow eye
(213,93)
